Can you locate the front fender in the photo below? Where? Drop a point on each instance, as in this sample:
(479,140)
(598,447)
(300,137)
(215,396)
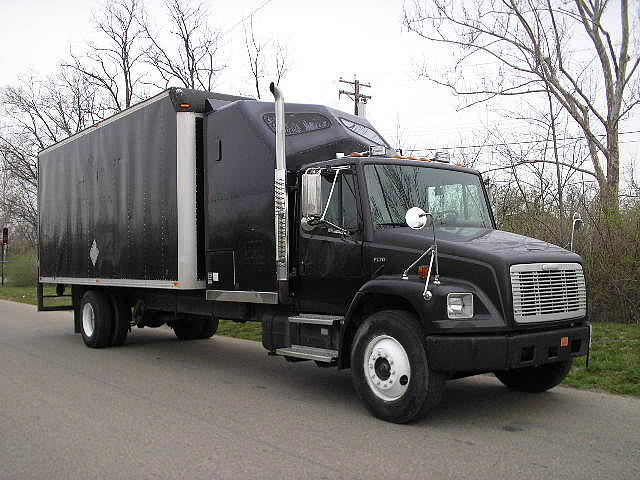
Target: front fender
(385,293)
(408,290)
(378,294)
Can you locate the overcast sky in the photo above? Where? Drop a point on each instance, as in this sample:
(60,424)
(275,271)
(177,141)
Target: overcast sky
(327,39)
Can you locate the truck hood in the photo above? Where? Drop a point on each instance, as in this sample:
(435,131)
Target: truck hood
(477,255)
(496,247)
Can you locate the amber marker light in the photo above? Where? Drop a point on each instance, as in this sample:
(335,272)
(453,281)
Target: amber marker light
(185,105)
(564,342)
(423,271)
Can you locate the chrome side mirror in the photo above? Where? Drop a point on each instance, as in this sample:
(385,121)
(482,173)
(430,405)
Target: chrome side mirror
(311,195)
(416,218)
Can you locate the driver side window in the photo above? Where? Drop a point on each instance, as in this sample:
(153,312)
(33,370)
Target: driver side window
(343,207)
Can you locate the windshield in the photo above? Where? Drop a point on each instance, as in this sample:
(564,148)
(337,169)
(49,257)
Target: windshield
(455,199)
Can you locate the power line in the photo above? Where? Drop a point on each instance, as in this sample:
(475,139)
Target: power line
(522,142)
(254,11)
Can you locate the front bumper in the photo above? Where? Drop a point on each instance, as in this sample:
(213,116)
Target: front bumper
(448,353)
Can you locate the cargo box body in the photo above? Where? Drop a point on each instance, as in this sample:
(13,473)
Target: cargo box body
(120,204)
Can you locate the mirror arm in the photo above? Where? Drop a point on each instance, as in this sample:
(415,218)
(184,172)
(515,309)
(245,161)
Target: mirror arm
(333,185)
(426,294)
(405,274)
(341,230)
(434,257)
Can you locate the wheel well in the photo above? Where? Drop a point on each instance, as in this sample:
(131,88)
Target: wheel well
(368,305)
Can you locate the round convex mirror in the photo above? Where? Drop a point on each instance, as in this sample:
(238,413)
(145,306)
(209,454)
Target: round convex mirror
(416,218)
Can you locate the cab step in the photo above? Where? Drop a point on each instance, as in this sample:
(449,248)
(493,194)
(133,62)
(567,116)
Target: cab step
(316,319)
(309,353)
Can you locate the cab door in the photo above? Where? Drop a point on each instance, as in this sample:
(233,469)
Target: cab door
(330,262)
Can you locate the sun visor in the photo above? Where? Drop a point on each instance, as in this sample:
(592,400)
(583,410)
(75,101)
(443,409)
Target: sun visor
(213,104)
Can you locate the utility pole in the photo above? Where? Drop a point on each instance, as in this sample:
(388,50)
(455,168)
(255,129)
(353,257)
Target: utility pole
(357,97)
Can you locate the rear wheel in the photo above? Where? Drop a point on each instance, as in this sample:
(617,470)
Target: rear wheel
(121,320)
(535,379)
(390,369)
(209,328)
(97,319)
(195,328)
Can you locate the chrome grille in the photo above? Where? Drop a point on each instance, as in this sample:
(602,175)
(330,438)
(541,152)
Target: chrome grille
(548,291)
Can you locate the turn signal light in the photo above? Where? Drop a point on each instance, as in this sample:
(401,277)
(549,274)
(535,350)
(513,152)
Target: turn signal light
(423,271)
(184,105)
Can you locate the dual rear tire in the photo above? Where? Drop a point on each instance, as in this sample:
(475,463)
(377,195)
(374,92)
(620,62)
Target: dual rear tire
(105,319)
(195,328)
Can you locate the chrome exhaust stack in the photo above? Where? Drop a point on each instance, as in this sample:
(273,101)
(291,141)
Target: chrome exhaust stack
(281,201)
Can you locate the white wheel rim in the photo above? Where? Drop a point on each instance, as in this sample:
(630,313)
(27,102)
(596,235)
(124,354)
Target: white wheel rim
(387,368)
(88,319)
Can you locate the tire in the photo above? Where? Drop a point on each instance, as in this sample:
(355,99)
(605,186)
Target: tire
(535,379)
(121,320)
(195,328)
(390,370)
(96,314)
(210,327)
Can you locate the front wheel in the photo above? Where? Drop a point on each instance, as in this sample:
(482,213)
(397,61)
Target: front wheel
(390,369)
(535,379)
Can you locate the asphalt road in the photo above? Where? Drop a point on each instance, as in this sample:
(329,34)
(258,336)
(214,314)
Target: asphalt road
(221,408)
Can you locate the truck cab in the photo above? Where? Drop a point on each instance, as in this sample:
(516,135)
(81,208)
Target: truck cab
(482,300)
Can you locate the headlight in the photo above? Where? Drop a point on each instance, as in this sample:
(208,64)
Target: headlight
(459,305)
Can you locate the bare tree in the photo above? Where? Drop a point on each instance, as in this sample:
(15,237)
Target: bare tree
(543,168)
(282,62)
(37,113)
(532,46)
(193,59)
(113,62)
(255,53)
(265,58)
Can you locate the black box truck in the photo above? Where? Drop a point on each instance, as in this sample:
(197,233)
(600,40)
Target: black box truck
(195,206)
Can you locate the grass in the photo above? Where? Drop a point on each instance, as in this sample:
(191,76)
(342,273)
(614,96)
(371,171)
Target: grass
(19,294)
(615,353)
(615,360)
(248,330)
(20,270)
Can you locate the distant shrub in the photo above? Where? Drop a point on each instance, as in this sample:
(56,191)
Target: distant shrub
(609,245)
(21,270)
